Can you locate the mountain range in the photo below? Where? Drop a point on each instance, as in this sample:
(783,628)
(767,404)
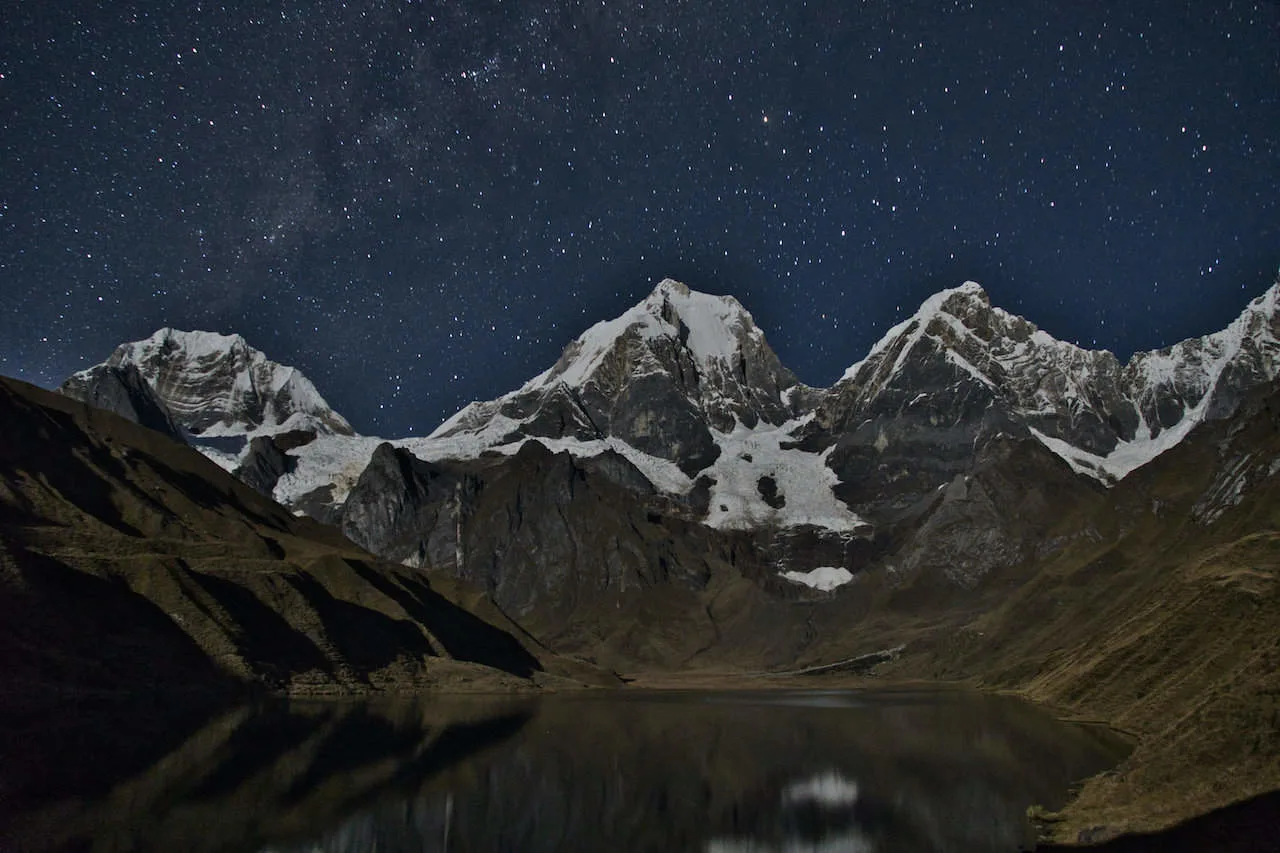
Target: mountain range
(972,500)
(681,404)
(675,379)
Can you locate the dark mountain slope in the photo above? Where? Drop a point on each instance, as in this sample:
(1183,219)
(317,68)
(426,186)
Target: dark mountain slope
(582,553)
(129,561)
(590,558)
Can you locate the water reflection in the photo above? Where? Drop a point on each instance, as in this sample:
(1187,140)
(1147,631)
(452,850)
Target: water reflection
(280,771)
(833,770)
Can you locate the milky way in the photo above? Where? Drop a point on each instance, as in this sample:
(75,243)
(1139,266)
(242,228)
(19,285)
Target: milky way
(420,204)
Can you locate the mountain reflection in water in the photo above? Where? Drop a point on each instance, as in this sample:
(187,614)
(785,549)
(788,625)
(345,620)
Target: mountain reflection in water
(778,770)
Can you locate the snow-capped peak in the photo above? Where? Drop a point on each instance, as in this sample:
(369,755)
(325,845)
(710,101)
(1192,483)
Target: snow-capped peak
(217,384)
(197,343)
(916,322)
(711,328)
(661,375)
(1104,418)
(956,307)
(715,324)
(1175,389)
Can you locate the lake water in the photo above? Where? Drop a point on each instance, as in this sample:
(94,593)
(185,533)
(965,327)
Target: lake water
(882,770)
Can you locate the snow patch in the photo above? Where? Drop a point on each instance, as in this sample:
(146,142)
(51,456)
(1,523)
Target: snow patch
(825,578)
(804,483)
(339,460)
(336,460)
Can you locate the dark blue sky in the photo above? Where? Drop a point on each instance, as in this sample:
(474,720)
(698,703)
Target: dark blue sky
(420,204)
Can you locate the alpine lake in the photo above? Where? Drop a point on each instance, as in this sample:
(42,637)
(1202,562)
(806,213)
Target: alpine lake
(621,770)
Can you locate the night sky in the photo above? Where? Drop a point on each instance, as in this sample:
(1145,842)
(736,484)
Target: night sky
(420,204)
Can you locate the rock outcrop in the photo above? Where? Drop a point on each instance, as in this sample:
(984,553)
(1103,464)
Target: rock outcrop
(126,392)
(408,510)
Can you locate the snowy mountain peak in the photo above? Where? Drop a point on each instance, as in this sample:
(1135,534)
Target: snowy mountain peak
(669,286)
(712,329)
(955,301)
(956,298)
(1268,301)
(1175,388)
(660,376)
(948,315)
(1259,316)
(197,342)
(219,385)
(958,353)
(195,345)
(675,303)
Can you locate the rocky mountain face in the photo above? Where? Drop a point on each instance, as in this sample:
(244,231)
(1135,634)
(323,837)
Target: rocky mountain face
(553,539)
(959,372)
(126,392)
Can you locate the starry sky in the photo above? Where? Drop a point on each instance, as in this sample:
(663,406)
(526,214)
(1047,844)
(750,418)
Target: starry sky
(420,203)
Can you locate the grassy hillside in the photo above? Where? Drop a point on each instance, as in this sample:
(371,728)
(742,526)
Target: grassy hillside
(129,561)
